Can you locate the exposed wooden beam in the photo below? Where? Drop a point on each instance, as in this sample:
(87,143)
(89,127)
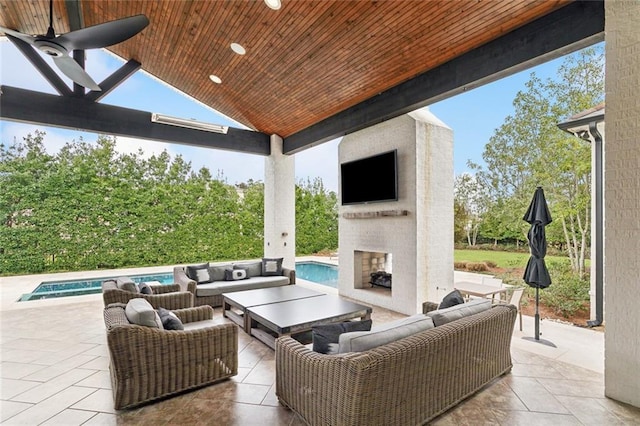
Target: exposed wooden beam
(114,80)
(36,60)
(570,28)
(78,113)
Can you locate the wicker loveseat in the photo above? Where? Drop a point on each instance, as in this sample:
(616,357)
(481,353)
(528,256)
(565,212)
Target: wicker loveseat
(406,382)
(210,291)
(168,296)
(149,363)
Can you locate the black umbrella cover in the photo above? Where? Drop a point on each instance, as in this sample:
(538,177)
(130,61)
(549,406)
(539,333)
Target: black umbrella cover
(538,215)
(536,273)
(538,210)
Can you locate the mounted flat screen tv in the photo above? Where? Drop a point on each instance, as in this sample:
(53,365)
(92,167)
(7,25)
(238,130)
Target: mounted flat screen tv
(370,180)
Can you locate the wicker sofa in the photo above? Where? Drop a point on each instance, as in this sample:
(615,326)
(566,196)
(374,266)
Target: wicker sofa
(168,296)
(409,381)
(149,363)
(210,292)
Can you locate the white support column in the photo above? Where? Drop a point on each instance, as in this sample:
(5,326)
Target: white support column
(280,204)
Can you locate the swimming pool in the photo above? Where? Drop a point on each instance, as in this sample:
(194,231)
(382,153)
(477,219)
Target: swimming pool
(53,289)
(317,272)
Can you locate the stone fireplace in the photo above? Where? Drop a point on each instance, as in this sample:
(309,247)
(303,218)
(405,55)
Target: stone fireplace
(411,238)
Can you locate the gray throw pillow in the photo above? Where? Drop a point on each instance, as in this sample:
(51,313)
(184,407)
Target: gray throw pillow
(126,284)
(235,274)
(326,337)
(145,288)
(452,299)
(271,267)
(140,312)
(170,321)
(199,273)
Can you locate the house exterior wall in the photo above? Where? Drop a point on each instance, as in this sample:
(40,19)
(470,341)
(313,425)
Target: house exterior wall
(421,243)
(621,205)
(280,204)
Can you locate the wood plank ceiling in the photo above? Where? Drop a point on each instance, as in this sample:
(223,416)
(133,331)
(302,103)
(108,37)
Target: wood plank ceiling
(303,63)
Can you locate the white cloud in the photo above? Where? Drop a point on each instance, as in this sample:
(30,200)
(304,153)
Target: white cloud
(16,132)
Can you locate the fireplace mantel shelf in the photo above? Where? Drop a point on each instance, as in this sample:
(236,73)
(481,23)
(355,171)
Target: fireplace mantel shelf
(375,214)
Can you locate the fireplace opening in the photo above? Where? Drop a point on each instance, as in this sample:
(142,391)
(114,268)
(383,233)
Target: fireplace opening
(372,270)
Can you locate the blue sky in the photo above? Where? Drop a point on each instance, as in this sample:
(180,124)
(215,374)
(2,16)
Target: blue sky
(473,116)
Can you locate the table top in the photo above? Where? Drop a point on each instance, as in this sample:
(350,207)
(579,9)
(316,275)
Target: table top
(477,289)
(263,296)
(284,316)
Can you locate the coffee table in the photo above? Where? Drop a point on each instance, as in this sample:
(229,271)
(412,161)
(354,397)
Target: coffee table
(268,322)
(234,305)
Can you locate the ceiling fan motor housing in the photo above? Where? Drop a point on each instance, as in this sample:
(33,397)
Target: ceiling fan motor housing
(50,48)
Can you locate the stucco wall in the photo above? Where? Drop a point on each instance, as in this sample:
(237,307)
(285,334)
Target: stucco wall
(622,202)
(421,243)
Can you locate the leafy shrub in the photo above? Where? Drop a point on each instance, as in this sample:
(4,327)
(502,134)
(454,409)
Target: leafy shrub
(568,292)
(477,267)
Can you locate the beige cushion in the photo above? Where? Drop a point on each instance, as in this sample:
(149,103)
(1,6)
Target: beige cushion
(126,284)
(140,312)
(359,341)
(443,316)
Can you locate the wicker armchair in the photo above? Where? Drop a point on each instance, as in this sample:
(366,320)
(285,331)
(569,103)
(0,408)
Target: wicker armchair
(149,363)
(167,296)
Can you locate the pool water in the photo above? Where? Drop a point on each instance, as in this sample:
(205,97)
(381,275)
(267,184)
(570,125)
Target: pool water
(320,273)
(52,289)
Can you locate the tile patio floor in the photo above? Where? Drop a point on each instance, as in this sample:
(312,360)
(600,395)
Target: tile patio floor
(54,371)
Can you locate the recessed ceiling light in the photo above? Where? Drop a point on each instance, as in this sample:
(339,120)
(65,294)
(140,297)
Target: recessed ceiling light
(238,48)
(273,4)
(215,79)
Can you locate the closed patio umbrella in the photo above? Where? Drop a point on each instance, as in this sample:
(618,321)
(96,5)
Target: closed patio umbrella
(536,274)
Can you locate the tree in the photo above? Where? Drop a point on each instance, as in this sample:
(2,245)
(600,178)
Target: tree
(528,150)
(90,207)
(470,204)
(316,217)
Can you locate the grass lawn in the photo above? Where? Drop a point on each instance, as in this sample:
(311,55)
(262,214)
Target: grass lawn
(504,259)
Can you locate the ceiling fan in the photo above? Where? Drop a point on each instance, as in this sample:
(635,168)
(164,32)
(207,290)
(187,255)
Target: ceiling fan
(94,37)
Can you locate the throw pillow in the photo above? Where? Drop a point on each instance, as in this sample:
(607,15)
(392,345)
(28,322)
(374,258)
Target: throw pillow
(199,273)
(170,321)
(326,337)
(271,267)
(145,288)
(216,273)
(235,274)
(140,312)
(126,284)
(452,299)
(254,269)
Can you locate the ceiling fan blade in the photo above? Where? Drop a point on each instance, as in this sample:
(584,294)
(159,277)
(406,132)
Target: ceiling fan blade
(75,72)
(24,37)
(103,35)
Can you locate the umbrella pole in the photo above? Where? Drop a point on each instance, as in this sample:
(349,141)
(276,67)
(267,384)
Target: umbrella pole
(537,316)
